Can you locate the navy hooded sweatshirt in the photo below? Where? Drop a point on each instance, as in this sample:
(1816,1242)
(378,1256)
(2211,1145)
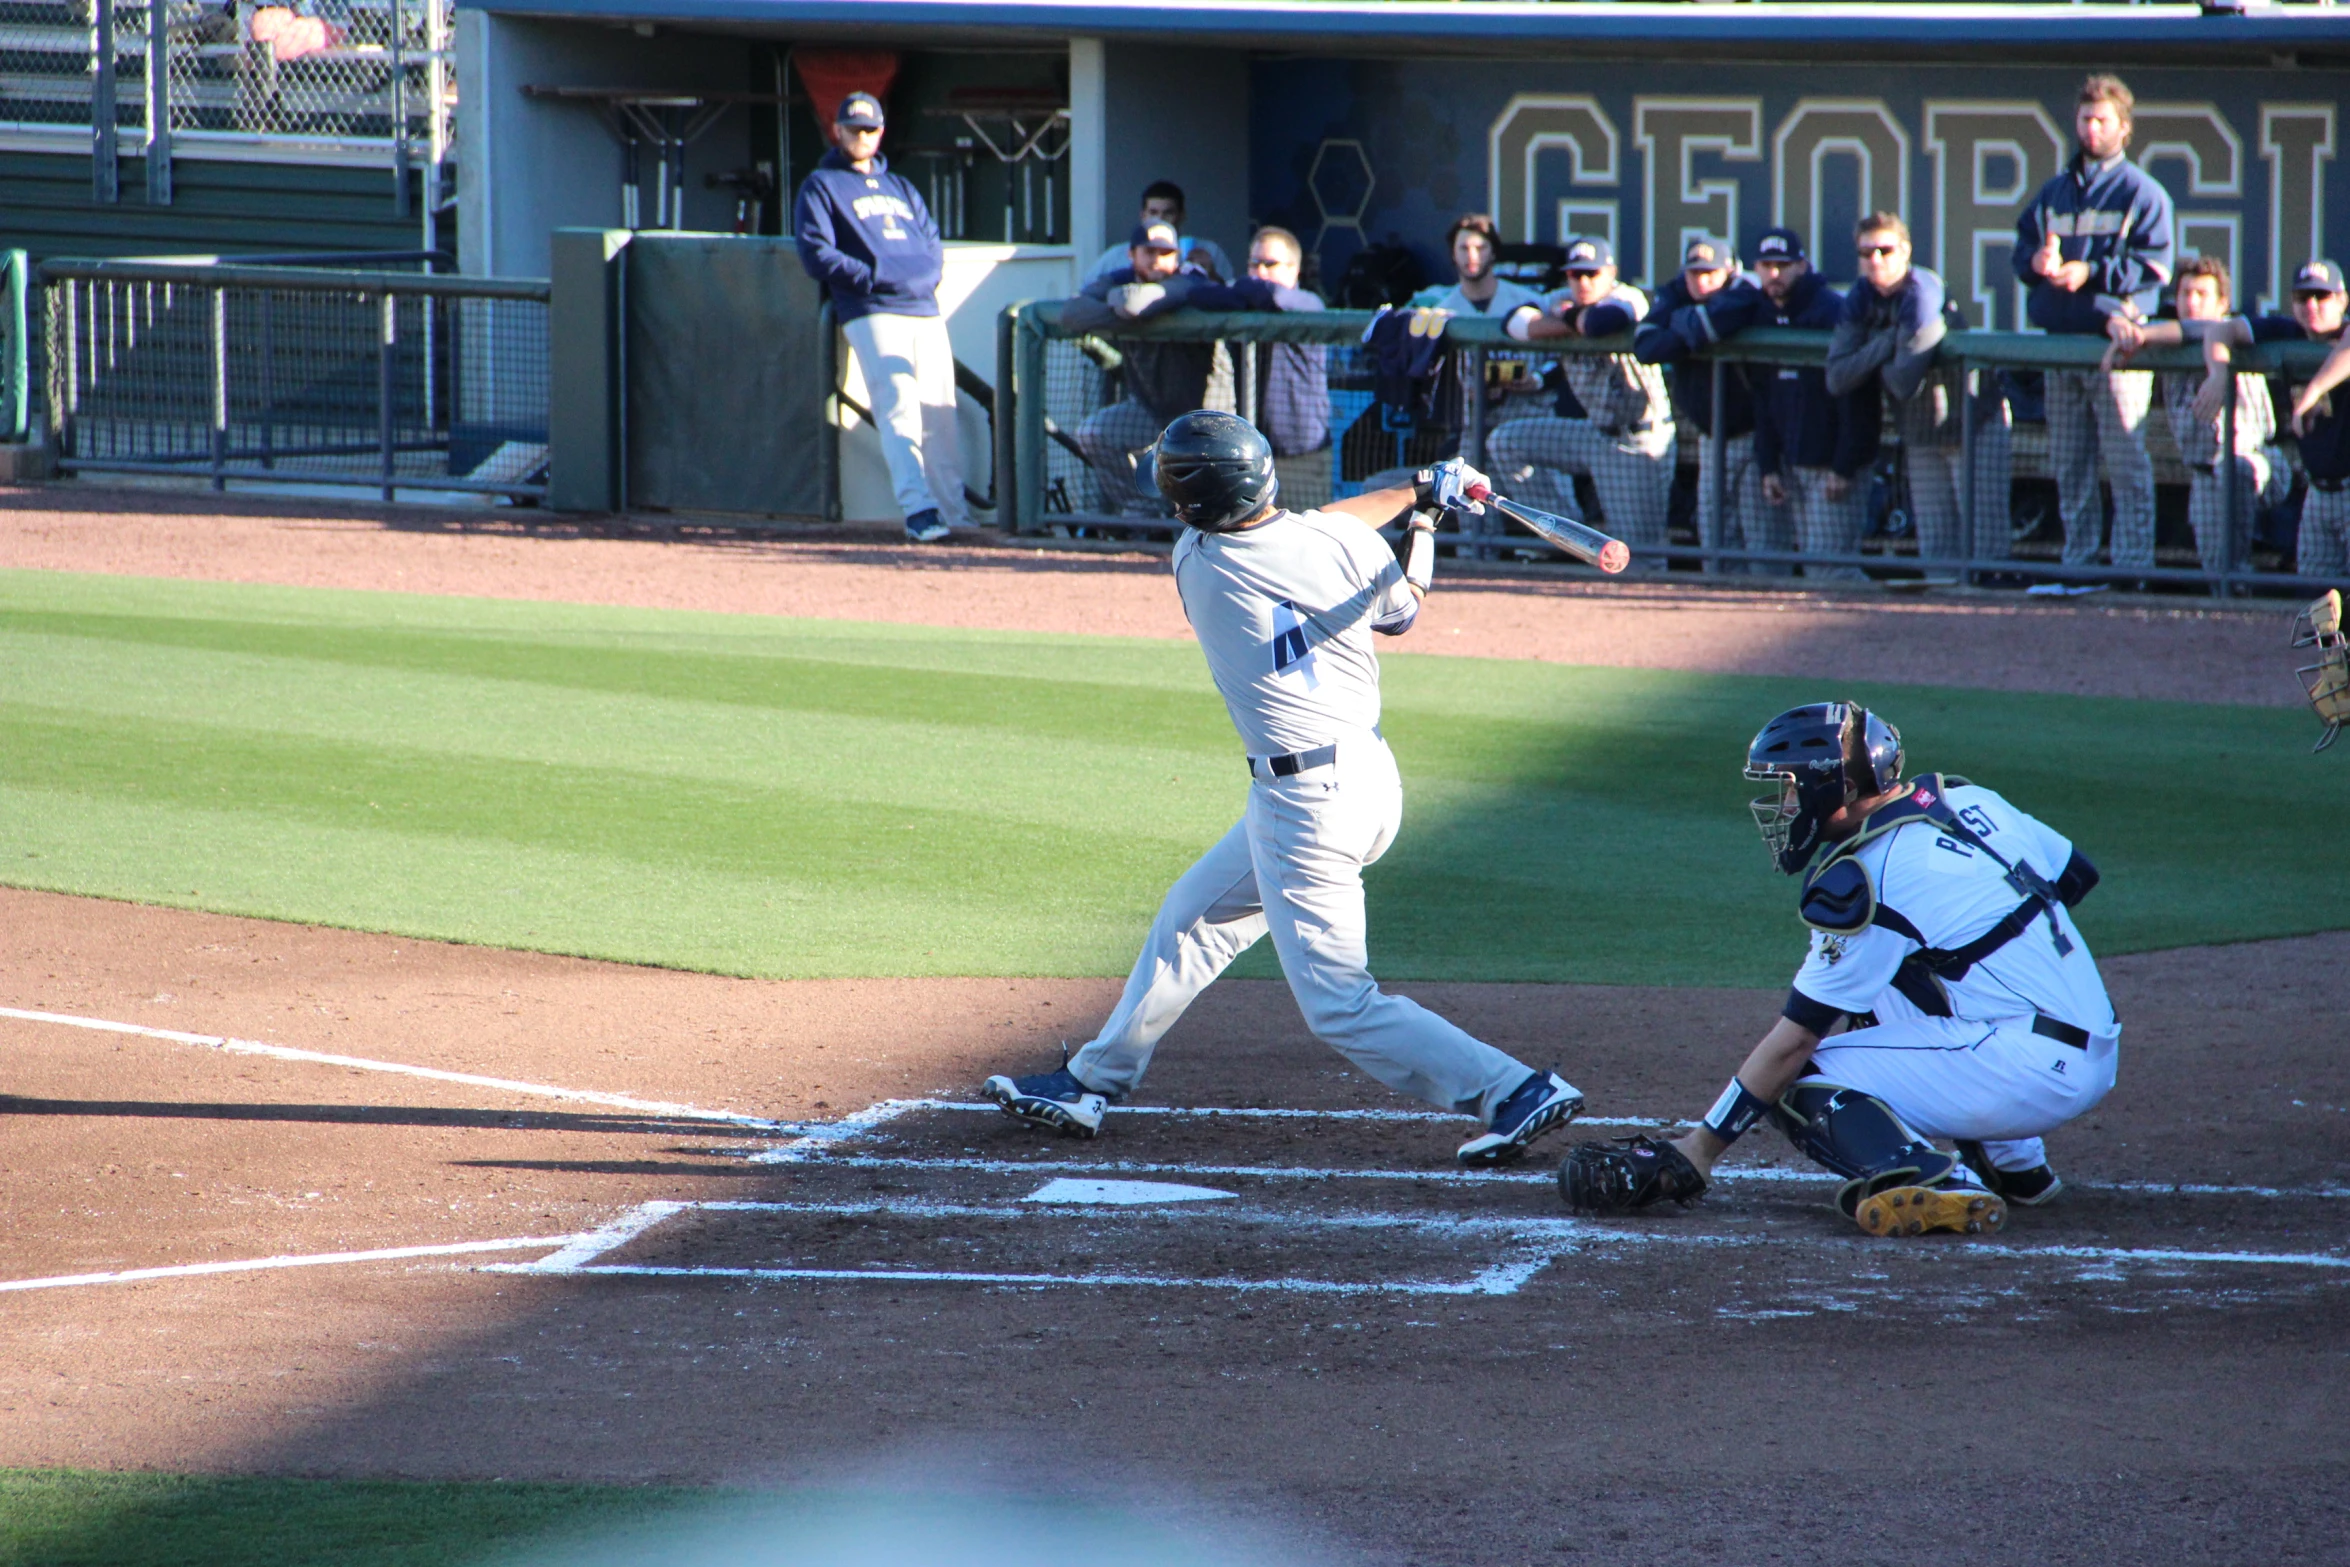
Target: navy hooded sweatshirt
(2116,217)
(1797,421)
(869,240)
(1678,326)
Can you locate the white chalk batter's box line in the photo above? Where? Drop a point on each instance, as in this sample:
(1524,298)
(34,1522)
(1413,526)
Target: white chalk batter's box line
(816,1142)
(1534,1244)
(806,1139)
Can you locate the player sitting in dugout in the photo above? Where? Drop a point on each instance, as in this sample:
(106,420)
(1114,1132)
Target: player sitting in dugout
(1947,994)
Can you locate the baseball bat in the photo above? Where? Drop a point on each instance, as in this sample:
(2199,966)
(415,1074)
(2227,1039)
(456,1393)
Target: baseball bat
(1583,543)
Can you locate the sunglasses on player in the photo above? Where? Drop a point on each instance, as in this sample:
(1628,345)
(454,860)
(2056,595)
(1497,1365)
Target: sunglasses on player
(1872,252)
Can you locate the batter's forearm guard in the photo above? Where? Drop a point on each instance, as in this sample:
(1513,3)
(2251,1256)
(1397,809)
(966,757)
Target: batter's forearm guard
(1419,559)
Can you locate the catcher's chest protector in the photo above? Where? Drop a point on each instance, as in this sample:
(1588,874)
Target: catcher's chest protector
(1838,896)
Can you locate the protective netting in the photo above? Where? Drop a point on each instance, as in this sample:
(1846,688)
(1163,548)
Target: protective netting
(1094,408)
(327,73)
(354,386)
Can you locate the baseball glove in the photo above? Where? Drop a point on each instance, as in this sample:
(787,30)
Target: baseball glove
(1628,1175)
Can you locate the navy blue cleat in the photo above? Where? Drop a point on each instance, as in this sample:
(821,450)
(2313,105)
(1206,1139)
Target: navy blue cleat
(924,527)
(1544,1102)
(1053,1100)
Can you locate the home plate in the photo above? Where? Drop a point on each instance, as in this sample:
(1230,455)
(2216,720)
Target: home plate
(1075,1191)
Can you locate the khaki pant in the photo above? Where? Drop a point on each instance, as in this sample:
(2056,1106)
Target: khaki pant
(909,371)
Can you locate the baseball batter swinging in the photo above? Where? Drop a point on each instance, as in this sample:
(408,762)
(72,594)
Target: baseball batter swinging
(1284,605)
(1942,931)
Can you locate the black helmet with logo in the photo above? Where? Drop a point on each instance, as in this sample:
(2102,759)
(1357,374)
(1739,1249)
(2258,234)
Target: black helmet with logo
(1214,469)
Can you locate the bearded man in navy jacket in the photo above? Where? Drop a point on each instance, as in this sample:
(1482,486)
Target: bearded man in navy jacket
(2097,242)
(865,234)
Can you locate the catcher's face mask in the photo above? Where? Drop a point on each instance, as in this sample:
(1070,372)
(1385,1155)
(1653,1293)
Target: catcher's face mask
(2327,681)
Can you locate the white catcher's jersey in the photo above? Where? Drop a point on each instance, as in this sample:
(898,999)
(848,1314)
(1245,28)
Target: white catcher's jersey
(1284,612)
(1950,892)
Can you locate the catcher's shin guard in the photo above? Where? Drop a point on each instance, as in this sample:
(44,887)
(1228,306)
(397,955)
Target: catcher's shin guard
(1859,1137)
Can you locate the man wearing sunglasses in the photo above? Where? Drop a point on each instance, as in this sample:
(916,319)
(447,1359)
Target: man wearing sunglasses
(1892,322)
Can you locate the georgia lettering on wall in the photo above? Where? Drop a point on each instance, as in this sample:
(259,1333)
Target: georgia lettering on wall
(1695,166)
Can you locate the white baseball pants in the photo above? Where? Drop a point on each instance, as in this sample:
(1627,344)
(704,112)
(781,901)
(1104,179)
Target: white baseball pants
(1534,457)
(1293,866)
(909,371)
(2093,416)
(2000,1086)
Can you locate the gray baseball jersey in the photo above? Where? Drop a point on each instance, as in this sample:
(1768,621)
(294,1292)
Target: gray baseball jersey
(1284,612)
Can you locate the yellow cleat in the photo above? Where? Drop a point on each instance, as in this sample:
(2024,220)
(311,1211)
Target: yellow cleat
(1913,1210)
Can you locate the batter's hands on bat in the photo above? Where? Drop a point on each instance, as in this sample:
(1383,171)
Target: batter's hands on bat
(1452,485)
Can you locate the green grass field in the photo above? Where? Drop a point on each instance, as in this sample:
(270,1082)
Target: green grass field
(806,798)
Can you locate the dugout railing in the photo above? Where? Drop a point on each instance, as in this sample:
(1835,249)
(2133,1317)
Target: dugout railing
(387,380)
(1054,377)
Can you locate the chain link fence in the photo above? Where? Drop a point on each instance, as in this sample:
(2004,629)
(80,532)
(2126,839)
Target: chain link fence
(1080,411)
(389,380)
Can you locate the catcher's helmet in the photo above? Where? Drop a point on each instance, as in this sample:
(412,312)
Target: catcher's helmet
(1214,469)
(1822,756)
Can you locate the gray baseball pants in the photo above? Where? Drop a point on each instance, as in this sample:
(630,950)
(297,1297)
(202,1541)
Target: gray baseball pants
(1824,525)
(1753,523)
(2324,548)
(1934,475)
(1293,866)
(1533,458)
(2216,546)
(2098,416)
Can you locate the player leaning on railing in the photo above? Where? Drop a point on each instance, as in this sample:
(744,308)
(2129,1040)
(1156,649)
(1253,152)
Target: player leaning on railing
(1943,946)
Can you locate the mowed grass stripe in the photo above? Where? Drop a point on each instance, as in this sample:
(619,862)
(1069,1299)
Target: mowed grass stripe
(811,798)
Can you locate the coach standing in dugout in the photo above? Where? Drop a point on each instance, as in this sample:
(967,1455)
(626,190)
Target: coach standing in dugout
(1893,321)
(865,234)
(2097,242)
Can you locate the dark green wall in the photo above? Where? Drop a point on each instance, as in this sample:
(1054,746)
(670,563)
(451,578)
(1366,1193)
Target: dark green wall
(232,208)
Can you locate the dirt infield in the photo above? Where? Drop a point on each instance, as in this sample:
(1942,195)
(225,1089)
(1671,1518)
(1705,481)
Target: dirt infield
(601,1267)
(1356,1344)
(2106,646)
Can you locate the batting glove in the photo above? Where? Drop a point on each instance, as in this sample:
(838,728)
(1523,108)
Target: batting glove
(1452,485)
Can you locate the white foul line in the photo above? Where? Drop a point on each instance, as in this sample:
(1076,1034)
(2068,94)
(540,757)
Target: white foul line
(250,1047)
(189,1270)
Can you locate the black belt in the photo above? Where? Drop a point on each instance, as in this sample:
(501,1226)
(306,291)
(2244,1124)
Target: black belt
(2205,467)
(1291,763)
(2063,1033)
(2330,486)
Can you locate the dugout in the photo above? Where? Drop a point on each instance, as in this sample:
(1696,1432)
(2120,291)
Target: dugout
(1374,122)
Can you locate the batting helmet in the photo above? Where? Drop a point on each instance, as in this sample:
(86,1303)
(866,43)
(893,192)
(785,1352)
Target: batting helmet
(1822,756)
(1214,469)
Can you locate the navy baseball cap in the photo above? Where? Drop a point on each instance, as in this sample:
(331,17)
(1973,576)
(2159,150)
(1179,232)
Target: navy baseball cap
(1779,245)
(2318,277)
(861,110)
(1589,255)
(1154,236)
(1705,255)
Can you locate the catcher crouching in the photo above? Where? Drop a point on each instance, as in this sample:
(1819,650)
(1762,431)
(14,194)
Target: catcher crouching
(1943,948)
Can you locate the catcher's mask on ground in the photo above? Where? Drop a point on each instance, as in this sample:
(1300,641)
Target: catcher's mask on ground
(1214,469)
(2328,680)
(1822,756)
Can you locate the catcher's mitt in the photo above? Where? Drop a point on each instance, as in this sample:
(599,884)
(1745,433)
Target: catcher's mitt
(2328,680)
(1628,1175)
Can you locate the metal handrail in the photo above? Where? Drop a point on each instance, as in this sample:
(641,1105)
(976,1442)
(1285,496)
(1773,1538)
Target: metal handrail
(313,280)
